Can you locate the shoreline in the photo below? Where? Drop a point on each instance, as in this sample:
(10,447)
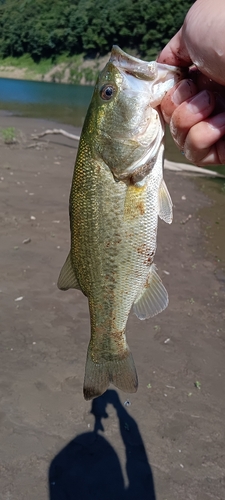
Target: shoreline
(26,126)
(12,73)
(77,70)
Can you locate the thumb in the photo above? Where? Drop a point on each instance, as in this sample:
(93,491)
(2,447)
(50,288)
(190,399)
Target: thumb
(175,52)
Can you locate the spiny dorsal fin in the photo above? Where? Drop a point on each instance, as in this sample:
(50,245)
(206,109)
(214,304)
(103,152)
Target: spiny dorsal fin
(165,203)
(154,297)
(67,278)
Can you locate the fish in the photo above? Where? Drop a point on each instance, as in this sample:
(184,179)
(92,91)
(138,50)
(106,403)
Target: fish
(117,194)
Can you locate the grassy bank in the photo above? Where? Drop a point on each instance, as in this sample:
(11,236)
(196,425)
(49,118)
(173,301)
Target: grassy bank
(63,69)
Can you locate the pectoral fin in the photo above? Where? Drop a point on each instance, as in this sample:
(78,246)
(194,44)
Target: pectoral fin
(165,203)
(154,297)
(67,278)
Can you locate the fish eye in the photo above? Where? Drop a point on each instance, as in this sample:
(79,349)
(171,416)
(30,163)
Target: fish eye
(107,92)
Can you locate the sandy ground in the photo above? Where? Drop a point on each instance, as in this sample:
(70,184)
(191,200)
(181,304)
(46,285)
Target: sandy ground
(166,442)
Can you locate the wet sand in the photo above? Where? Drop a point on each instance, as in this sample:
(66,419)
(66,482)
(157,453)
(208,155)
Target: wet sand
(166,442)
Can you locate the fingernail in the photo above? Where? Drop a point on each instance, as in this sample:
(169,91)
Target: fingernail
(183,91)
(199,102)
(217,121)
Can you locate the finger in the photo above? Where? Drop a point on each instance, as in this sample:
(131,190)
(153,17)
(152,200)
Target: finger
(189,113)
(205,141)
(175,52)
(216,155)
(179,93)
(203,82)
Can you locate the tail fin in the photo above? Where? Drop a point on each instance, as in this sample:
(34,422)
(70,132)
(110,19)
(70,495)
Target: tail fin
(121,372)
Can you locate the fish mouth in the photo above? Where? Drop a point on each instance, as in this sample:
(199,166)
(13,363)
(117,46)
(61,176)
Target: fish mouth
(132,65)
(149,71)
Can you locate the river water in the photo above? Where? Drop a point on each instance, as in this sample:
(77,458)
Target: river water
(55,101)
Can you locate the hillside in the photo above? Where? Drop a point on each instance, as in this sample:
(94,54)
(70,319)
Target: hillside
(64,40)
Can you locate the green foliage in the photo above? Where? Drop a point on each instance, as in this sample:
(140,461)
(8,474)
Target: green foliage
(44,29)
(8,135)
(26,61)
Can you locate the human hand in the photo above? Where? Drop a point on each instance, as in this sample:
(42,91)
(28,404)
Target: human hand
(195,108)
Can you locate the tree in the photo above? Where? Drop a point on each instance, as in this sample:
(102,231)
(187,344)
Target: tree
(46,29)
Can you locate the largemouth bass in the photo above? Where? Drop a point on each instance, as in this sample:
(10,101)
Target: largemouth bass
(117,194)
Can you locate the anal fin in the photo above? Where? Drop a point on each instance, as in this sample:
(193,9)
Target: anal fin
(67,278)
(165,204)
(154,297)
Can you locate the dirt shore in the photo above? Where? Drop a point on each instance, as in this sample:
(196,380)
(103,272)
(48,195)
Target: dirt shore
(83,71)
(166,442)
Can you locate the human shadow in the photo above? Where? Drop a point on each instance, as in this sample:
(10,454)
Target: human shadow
(88,468)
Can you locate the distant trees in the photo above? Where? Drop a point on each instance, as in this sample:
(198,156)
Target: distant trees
(47,28)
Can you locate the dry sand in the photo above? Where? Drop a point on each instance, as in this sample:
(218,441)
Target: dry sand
(168,443)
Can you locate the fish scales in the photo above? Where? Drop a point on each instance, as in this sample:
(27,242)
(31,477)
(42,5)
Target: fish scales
(113,220)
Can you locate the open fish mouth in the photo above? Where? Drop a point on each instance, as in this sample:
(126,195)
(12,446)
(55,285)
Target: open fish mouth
(129,64)
(156,74)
